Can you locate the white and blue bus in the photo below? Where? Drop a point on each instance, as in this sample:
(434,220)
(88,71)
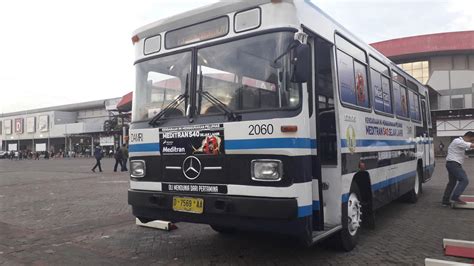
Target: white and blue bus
(268,115)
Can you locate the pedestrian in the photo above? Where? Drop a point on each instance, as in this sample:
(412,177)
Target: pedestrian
(118,159)
(458,180)
(124,157)
(98,157)
(441,148)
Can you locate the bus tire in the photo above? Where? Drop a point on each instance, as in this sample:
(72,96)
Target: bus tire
(223,229)
(414,194)
(348,237)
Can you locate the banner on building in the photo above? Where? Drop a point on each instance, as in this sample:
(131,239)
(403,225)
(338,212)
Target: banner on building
(40,146)
(12,147)
(107,141)
(7,126)
(31,124)
(43,123)
(19,125)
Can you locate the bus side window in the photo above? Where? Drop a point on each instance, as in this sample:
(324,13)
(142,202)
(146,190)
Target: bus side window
(382,97)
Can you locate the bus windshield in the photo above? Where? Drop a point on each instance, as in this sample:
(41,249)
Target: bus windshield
(159,82)
(247,75)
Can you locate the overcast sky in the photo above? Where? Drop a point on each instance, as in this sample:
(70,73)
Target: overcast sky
(55,52)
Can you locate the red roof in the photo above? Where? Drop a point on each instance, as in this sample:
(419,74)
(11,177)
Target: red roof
(125,104)
(424,45)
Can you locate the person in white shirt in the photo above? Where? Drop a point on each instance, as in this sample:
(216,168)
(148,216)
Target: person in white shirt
(457,175)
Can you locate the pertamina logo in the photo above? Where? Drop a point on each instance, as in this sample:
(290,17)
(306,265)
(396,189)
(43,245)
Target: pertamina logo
(351,138)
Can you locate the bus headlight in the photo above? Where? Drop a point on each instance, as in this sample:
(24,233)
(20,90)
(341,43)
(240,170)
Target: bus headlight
(137,168)
(266,170)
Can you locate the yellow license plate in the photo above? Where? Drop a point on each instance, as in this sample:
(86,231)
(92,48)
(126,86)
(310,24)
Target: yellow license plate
(193,205)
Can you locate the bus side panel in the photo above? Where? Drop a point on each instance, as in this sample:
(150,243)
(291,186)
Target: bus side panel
(390,160)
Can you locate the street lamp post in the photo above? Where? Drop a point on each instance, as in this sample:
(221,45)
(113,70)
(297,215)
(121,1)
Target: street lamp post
(65,140)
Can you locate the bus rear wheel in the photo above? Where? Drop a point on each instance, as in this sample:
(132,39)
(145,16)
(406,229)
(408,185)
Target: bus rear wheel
(414,194)
(352,220)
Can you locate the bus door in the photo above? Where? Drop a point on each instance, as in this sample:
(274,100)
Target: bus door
(427,160)
(328,174)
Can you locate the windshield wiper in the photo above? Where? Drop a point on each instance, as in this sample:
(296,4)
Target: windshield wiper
(231,115)
(172,105)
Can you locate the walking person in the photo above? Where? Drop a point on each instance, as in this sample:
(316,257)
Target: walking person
(124,157)
(118,159)
(458,180)
(98,157)
(441,148)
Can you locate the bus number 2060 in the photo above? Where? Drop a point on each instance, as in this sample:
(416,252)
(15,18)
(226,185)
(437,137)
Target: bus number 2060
(261,129)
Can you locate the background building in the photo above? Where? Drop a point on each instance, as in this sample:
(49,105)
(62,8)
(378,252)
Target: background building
(72,127)
(445,62)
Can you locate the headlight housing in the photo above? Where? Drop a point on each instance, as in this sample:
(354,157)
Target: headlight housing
(266,170)
(137,168)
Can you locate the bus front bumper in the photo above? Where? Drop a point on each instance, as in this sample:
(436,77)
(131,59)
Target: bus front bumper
(253,213)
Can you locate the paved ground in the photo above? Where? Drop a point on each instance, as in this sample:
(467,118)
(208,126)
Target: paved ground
(59,212)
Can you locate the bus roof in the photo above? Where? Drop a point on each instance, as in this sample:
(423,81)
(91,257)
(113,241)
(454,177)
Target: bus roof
(308,14)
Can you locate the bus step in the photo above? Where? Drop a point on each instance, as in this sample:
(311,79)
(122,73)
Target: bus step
(321,235)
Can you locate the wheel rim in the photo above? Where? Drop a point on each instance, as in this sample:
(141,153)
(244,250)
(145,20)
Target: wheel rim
(417,184)
(353,214)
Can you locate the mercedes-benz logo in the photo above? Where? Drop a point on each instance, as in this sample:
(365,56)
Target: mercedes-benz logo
(191,167)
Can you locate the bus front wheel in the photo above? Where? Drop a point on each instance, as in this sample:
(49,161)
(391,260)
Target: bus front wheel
(352,220)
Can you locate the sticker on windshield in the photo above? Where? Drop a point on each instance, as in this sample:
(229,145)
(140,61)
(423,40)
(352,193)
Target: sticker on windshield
(196,139)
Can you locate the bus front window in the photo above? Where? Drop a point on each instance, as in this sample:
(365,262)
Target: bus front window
(247,74)
(160,81)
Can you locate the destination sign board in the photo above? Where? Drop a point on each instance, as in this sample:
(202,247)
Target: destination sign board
(197,33)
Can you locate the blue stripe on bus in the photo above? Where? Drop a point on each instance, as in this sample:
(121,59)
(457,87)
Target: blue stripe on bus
(305,210)
(144,147)
(315,205)
(308,209)
(376,142)
(392,181)
(270,143)
(385,183)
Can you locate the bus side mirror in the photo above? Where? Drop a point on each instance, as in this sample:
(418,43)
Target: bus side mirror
(301,62)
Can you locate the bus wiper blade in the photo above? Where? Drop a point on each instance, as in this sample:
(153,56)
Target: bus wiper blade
(231,115)
(173,105)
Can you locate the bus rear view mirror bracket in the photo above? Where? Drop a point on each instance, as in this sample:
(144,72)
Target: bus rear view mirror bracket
(301,64)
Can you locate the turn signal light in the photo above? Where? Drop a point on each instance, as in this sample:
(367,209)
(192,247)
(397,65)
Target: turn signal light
(289,128)
(135,39)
